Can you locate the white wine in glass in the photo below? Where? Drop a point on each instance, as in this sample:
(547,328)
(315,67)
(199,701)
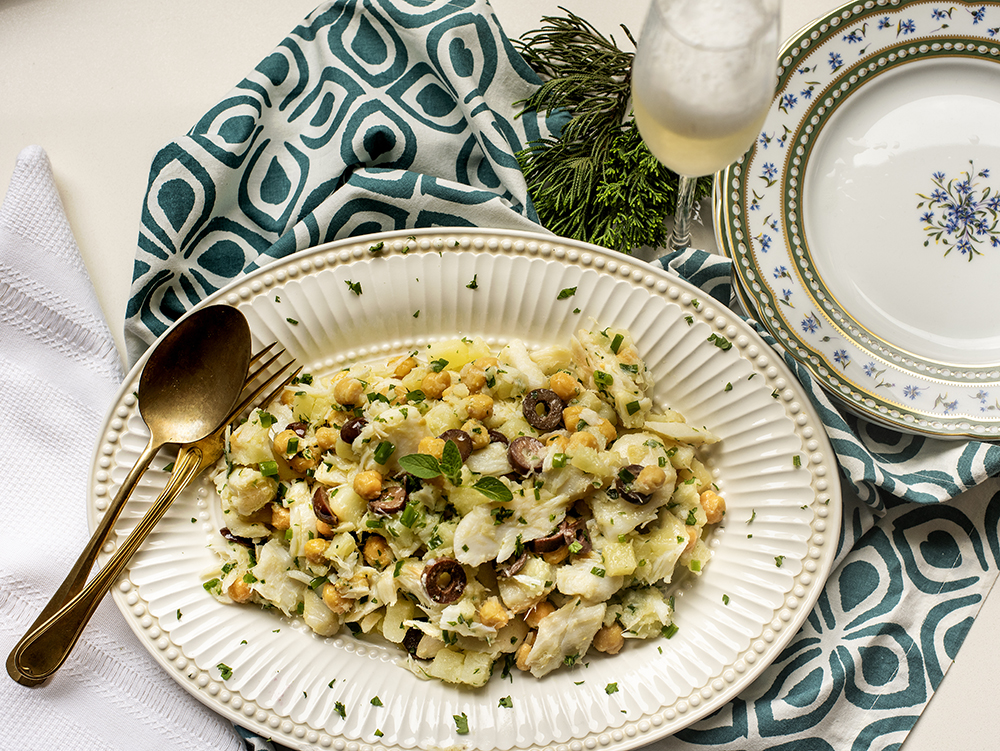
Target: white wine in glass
(702,82)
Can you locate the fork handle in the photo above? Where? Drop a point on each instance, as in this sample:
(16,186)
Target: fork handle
(45,648)
(77,577)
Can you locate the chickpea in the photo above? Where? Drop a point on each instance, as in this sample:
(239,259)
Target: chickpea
(335,600)
(377,552)
(434,384)
(608,430)
(432,446)
(473,377)
(479,406)
(609,639)
(541,611)
(459,390)
(315,550)
(486,362)
(558,440)
(564,385)
(403,367)
(239,591)
(493,614)
(714,505)
(287,397)
(305,461)
(523,651)
(326,438)
(571,417)
(348,392)
(478,432)
(368,484)
(281,518)
(323,529)
(582,439)
(281,441)
(692,534)
(650,479)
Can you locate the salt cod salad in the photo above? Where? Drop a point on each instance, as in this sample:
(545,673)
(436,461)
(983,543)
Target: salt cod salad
(476,508)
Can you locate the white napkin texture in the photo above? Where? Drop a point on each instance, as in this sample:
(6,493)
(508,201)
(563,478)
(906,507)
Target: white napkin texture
(59,372)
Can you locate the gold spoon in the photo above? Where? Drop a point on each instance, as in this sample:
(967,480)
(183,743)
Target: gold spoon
(190,383)
(44,649)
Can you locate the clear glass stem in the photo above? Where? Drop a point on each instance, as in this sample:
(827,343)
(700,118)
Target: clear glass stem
(680,238)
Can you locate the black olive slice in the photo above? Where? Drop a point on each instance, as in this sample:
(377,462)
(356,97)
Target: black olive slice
(444,580)
(576,532)
(299,428)
(512,565)
(411,640)
(244,541)
(543,409)
(550,543)
(461,439)
(497,437)
(392,500)
(352,429)
(321,507)
(526,454)
(627,476)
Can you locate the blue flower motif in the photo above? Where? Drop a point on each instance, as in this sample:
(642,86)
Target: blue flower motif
(835,60)
(841,357)
(938,176)
(938,14)
(966,217)
(769,170)
(906,27)
(809,324)
(789,101)
(786,293)
(780,272)
(984,172)
(912,392)
(765,242)
(927,216)
(950,407)
(884,22)
(854,36)
(869,369)
(978,15)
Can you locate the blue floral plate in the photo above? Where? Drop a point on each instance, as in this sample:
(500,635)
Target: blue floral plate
(864,223)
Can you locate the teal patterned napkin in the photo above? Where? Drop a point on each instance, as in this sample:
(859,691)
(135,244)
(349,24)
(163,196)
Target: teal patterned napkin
(371,115)
(389,114)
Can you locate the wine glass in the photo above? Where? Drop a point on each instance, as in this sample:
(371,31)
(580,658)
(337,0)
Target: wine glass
(702,81)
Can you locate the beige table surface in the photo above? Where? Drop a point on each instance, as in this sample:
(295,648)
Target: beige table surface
(103,84)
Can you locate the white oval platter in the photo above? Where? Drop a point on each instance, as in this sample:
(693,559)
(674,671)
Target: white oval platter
(863,224)
(772,552)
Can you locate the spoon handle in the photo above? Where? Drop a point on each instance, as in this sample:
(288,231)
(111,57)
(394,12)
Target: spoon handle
(44,649)
(77,577)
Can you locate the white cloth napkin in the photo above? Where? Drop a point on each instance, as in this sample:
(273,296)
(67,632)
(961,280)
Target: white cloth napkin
(59,371)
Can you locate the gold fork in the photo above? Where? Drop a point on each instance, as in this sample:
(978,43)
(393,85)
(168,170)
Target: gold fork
(46,646)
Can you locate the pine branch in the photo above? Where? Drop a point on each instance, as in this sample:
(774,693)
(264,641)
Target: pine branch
(597,182)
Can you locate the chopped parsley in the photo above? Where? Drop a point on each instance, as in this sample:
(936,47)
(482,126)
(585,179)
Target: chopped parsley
(376,702)
(340,709)
(355,287)
(720,341)
(474,284)
(225,671)
(461,723)
(566,293)
(506,702)
(611,688)
(778,560)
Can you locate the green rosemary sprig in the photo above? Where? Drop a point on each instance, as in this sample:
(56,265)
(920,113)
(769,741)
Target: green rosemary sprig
(597,182)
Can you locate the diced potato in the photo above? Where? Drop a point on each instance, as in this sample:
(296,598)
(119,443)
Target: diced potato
(396,615)
(619,558)
(347,505)
(457,352)
(447,665)
(341,546)
(442,417)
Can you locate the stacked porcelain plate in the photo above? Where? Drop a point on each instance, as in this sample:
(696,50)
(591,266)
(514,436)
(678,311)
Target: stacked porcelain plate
(864,224)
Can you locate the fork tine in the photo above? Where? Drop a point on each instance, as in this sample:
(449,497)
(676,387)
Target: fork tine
(251,377)
(262,352)
(252,396)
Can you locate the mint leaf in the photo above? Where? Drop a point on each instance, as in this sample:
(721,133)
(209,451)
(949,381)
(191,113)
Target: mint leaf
(451,461)
(424,466)
(494,489)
